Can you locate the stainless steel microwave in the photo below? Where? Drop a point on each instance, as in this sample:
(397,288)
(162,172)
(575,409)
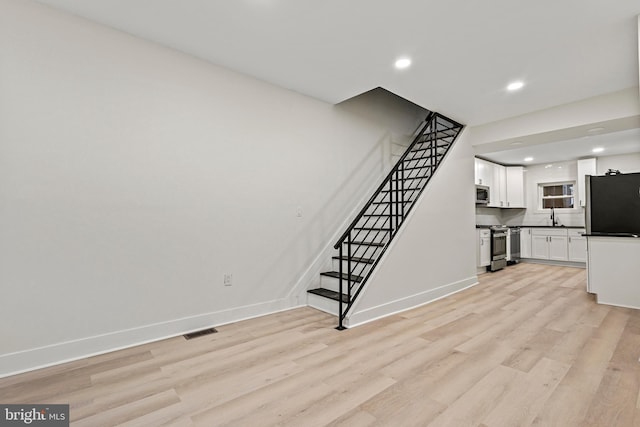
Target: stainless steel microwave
(482,195)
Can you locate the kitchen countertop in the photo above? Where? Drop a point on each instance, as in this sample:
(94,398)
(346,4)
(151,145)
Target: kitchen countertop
(548,226)
(534,226)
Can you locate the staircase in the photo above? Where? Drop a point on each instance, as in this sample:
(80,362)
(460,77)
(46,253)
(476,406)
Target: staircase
(362,245)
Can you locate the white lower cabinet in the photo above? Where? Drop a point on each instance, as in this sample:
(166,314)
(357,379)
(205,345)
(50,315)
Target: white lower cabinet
(549,243)
(558,250)
(483,247)
(556,244)
(525,242)
(577,246)
(540,246)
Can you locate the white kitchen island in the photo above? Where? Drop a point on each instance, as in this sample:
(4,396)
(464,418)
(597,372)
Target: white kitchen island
(613,268)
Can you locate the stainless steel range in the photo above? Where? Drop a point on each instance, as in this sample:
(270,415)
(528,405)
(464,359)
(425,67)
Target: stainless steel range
(499,235)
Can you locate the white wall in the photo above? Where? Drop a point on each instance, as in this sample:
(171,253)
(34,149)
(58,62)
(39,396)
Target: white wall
(562,171)
(625,163)
(489,216)
(535,175)
(133,177)
(435,253)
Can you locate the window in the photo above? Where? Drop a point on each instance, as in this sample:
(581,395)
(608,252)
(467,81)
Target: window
(557,195)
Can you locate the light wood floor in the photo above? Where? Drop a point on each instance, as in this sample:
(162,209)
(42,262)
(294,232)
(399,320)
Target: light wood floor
(527,346)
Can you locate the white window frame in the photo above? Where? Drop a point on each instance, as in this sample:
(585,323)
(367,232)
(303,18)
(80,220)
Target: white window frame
(541,186)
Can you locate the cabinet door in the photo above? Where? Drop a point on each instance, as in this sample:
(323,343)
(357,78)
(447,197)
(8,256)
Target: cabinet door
(479,172)
(484,172)
(558,249)
(515,186)
(540,247)
(585,167)
(577,249)
(525,243)
(485,252)
(478,247)
(500,185)
(484,248)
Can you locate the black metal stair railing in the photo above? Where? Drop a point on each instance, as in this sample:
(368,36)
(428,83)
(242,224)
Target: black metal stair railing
(368,236)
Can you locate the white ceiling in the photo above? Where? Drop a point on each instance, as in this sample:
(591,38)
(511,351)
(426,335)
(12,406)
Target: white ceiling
(615,143)
(464,52)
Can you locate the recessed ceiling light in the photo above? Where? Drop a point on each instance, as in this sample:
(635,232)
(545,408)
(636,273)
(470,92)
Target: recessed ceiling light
(513,86)
(597,150)
(528,159)
(548,166)
(403,63)
(516,143)
(595,130)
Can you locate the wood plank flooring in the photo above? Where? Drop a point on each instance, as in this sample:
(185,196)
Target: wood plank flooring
(526,347)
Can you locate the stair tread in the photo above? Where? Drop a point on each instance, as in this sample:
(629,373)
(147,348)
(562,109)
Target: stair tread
(370,228)
(414,177)
(439,154)
(405,189)
(327,293)
(357,259)
(430,143)
(417,167)
(345,276)
(416,159)
(386,203)
(368,244)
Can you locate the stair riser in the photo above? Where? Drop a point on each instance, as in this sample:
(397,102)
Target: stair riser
(355,266)
(365,236)
(333,284)
(418,161)
(324,304)
(361,251)
(375,221)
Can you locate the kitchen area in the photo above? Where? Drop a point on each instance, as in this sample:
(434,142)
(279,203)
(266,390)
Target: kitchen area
(571,202)
(533,213)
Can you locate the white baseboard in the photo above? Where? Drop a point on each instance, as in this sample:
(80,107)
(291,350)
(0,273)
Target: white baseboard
(599,301)
(407,303)
(55,354)
(556,263)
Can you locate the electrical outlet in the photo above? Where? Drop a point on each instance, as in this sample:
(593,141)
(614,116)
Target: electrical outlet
(228,279)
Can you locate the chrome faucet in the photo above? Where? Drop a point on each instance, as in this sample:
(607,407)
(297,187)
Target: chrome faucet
(553,217)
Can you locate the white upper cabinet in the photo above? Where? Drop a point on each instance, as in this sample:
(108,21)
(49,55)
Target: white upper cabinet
(515,187)
(500,182)
(585,167)
(506,184)
(484,172)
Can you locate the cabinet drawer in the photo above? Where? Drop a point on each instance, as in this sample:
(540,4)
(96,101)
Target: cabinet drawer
(576,233)
(548,232)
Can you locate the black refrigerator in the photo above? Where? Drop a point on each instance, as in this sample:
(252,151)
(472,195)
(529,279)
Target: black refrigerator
(613,205)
